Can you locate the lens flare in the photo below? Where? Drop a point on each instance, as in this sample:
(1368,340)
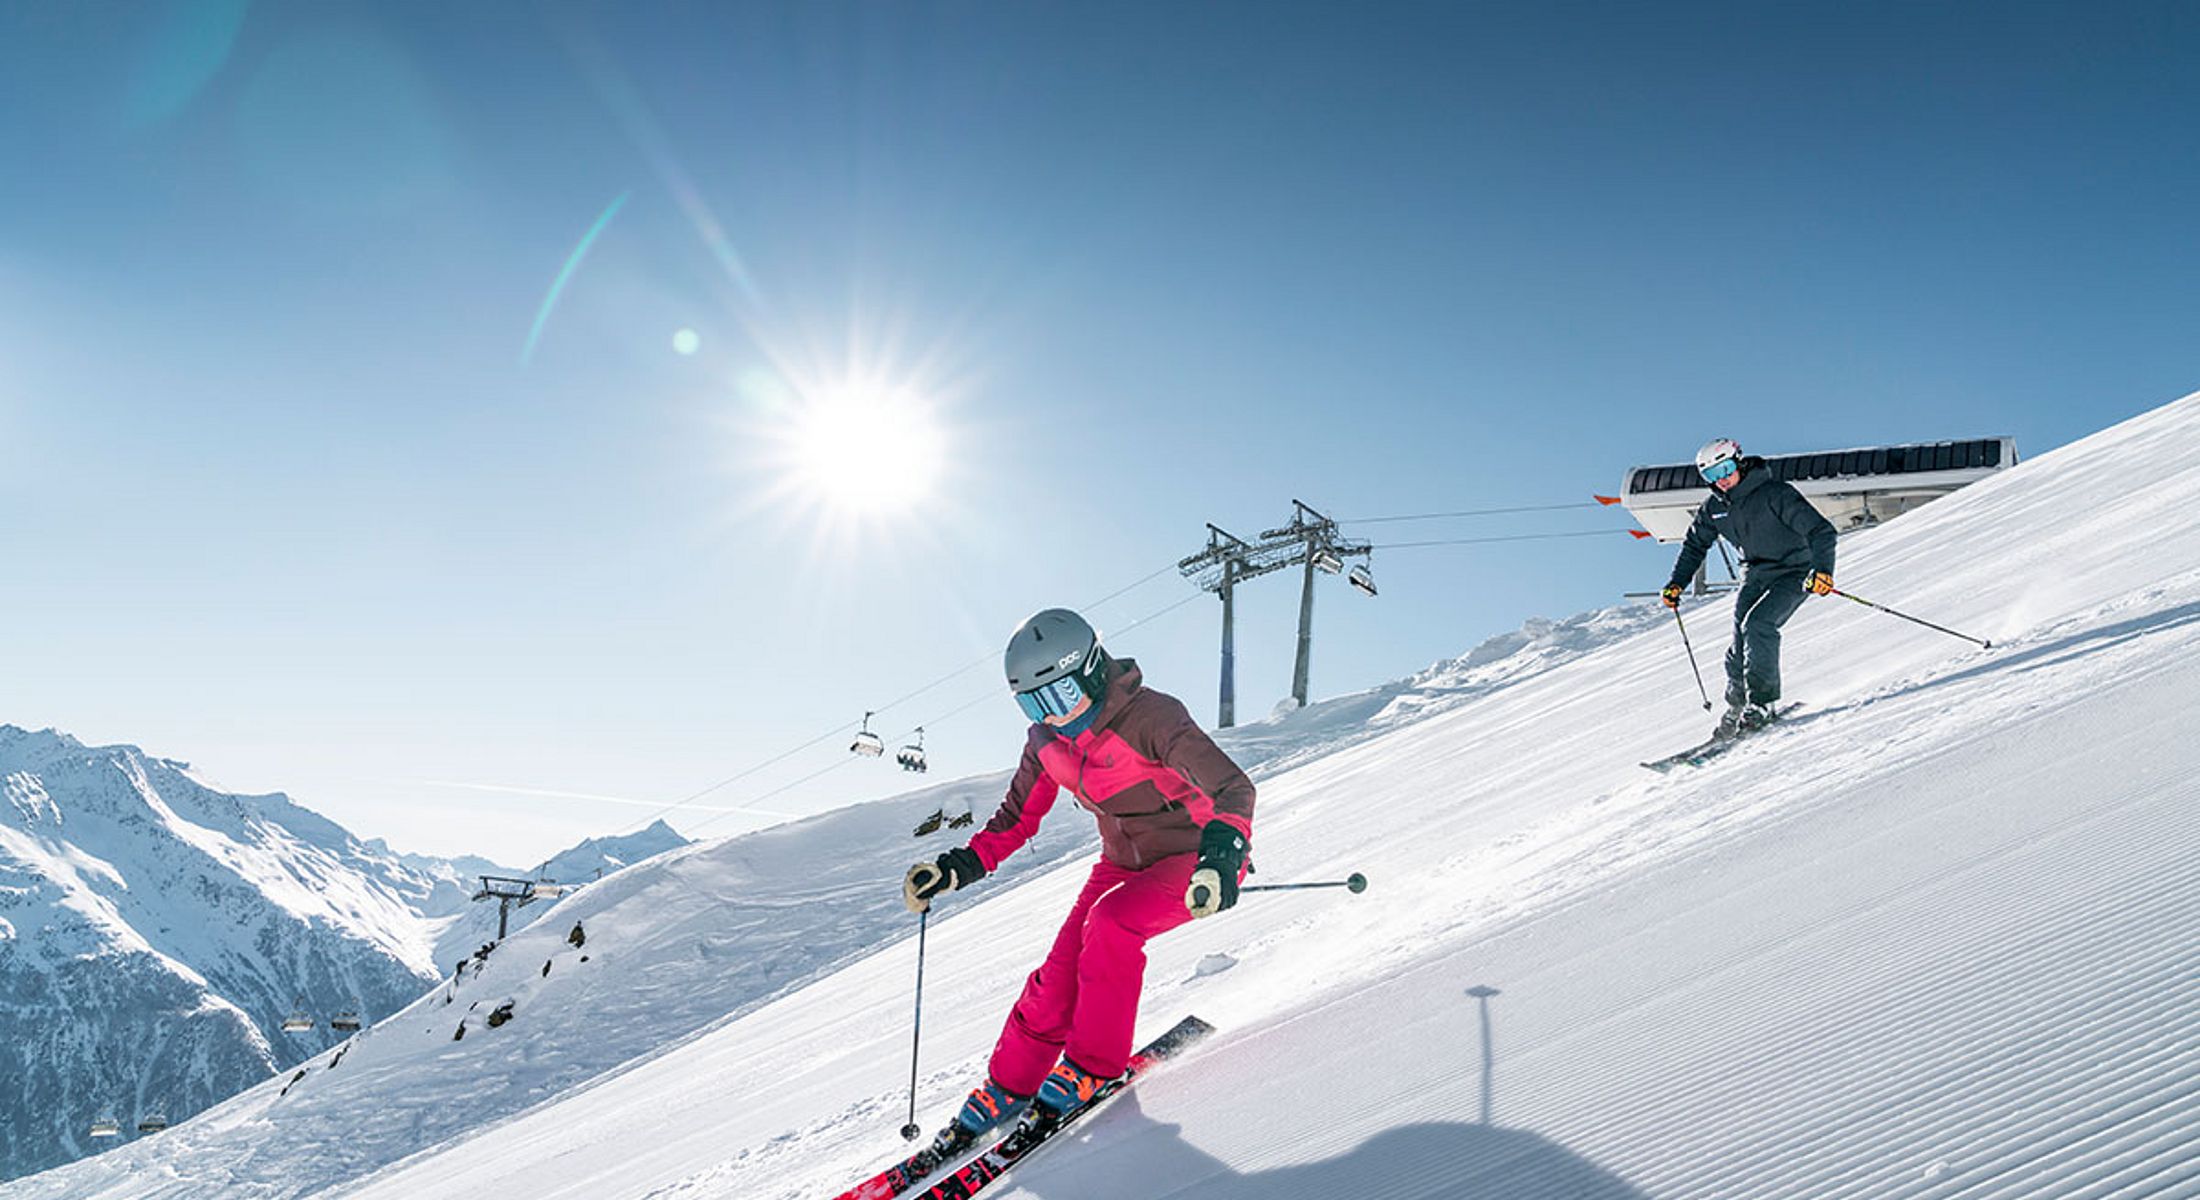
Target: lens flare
(565,276)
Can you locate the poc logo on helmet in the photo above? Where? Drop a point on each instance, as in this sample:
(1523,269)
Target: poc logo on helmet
(1063,663)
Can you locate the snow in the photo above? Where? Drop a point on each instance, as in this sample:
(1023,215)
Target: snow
(154,932)
(1935,937)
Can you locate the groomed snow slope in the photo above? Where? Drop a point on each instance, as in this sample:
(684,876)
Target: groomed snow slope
(1937,938)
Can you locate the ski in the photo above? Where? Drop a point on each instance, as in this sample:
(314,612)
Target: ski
(955,1141)
(1696,756)
(949,1144)
(1031,1133)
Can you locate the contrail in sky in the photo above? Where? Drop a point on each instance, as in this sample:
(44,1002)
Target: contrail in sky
(507,790)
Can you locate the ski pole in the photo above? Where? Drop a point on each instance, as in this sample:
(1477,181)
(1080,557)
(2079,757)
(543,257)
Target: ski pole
(1700,689)
(1354,883)
(910,1131)
(1913,620)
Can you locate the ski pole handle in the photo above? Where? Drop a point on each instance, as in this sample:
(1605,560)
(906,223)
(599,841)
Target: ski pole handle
(1354,883)
(1982,642)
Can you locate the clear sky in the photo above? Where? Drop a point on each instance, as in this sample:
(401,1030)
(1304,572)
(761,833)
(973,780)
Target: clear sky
(402,405)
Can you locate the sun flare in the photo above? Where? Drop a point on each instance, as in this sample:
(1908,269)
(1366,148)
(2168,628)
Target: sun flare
(865,452)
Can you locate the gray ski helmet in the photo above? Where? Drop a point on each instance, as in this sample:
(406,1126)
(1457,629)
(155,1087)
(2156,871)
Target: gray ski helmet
(1049,644)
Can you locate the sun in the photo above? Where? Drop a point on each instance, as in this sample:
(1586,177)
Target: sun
(865,451)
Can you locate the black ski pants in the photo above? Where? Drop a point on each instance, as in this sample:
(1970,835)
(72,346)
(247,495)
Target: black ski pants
(1764,603)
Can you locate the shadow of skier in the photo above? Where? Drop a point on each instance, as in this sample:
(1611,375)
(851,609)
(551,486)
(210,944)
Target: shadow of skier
(1437,1161)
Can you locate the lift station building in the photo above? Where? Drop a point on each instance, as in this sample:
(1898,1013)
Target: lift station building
(1853,488)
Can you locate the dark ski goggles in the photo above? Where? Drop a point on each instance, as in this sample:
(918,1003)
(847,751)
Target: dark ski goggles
(1720,470)
(1057,699)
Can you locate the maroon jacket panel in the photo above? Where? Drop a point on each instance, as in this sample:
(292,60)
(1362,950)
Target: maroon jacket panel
(1144,769)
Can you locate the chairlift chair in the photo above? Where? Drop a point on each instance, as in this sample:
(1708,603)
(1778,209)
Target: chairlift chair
(299,1021)
(152,1122)
(1363,579)
(1327,562)
(106,1127)
(911,756)
(867,744)
(346,1022)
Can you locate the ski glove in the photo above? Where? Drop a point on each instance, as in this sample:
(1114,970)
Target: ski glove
(1819,584)
(1214,884)
(1671,594)
(958,868)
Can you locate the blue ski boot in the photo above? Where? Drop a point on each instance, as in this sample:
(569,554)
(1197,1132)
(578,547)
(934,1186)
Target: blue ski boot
(990,1107)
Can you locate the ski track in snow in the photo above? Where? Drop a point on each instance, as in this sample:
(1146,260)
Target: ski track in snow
(1937,937)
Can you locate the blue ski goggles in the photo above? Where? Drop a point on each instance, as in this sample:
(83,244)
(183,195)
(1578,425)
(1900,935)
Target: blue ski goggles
(1720,470)
(1057,699)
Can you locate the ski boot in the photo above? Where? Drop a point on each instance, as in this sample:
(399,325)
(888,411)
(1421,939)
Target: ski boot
(1744,719)
(1067,1088)
(989,1107)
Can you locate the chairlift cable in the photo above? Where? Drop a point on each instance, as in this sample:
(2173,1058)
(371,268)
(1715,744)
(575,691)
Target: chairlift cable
(839,730)
(958,710)
(1470,512)
(1517,537)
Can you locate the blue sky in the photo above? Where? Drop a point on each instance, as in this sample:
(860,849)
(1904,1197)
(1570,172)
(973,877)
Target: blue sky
(289,496)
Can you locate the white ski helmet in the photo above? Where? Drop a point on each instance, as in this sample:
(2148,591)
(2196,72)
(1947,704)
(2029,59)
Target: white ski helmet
(1716,451)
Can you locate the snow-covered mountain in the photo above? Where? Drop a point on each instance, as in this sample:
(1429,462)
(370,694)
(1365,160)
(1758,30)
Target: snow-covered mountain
(155,934)
(1934,938)
(452,881)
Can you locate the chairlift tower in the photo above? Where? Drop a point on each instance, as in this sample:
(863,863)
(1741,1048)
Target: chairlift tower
(1218,569)
(512,893)
(1321,547)
(1311,540)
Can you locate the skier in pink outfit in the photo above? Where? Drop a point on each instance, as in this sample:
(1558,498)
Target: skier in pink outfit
(1175,815)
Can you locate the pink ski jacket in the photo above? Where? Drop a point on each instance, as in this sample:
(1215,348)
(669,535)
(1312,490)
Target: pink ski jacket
(1144,769)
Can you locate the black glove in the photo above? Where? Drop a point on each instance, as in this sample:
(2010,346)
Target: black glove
(1214,885)
(1671,594)
(958,868)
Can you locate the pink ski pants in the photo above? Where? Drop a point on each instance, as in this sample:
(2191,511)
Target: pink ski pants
(1083,1000)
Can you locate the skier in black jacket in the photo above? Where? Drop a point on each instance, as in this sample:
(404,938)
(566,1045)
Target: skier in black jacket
(1787,547)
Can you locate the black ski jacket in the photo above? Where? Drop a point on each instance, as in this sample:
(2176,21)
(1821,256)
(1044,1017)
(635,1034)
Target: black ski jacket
(1778,531)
